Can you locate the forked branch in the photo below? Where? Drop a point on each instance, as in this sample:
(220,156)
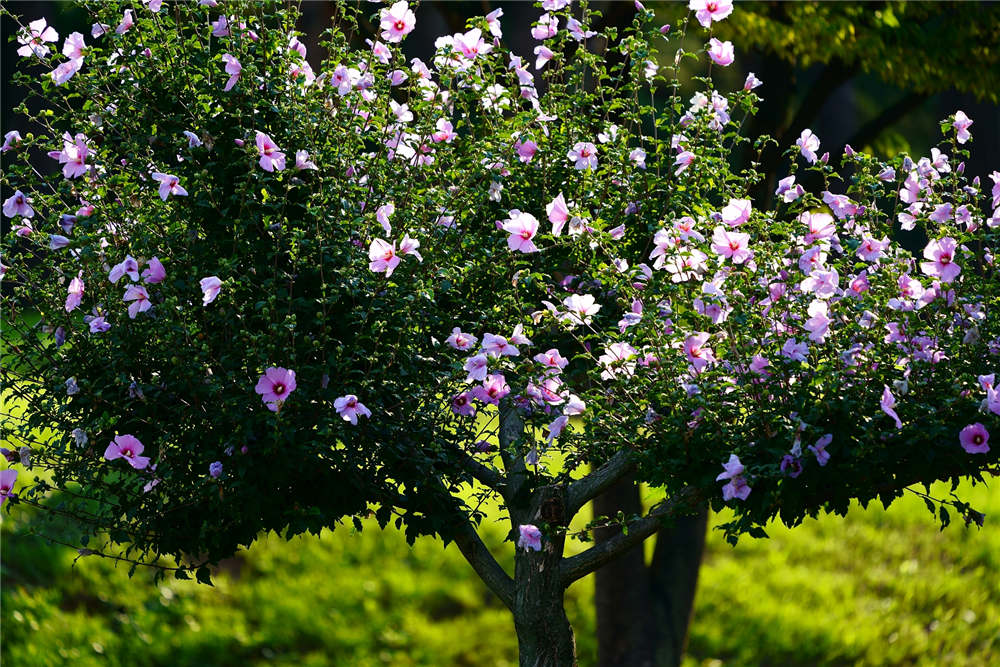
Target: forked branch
(589,487)
(485,565)
(582,564)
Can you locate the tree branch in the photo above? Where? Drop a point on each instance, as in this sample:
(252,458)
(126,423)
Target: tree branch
(589,487)
(485,565)
(835,74)
(511,430)
(475,552)
(869,132)
(484,474)
(582,564)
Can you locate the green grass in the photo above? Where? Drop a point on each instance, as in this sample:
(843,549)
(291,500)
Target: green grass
(880,587)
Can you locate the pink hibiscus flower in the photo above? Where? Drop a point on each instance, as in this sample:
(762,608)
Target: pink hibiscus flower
(233,69)
(731,245)
(737,212)
(552,360)
(8,478)
(707,11)
(476,368)
(808,144)
(737,486)
(34,38)
(139,297)
(558,213)
(818,324)
(497,346)
(461,341)
(18,204)
(698,355)
(584,155)
(271,157)
(128,267)
(154,272)
(522,227)
(397,22)
(169,185)
(819,449)
(383,257)
(961,124)
(210,287)
(274,386)
(530,537)
(526,150)
(75,294)
(493,389)
(349,407)
(721,53)
(888,405)
(974,438)
(941,254)
(461,404)
(129,448)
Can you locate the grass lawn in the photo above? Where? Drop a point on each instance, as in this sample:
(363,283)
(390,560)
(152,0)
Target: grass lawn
(881,587)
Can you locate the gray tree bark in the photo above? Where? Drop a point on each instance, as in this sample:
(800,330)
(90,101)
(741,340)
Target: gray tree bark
(544,635)
(644,612)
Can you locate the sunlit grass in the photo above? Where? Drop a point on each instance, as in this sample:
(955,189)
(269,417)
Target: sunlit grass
(880,587)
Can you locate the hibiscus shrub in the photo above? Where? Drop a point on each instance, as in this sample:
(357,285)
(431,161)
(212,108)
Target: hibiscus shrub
(261,297)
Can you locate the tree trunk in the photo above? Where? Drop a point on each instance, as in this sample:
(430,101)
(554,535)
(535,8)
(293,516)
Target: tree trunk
(544,635)
(643,613)
(626,631)
(673,576)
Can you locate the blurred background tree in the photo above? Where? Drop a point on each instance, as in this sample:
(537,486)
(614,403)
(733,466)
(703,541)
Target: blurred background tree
(875,75)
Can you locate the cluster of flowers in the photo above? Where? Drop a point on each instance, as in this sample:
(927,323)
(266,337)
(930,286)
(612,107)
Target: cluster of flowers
(546,391)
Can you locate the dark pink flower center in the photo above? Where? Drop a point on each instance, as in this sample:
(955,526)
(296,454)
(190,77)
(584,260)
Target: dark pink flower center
(944,258)
(399,25)
(711,6)
(977,439)
(279,388)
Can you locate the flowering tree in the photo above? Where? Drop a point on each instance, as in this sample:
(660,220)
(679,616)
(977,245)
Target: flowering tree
(262,297)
